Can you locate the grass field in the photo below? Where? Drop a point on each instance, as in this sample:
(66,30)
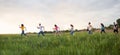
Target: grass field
(79,44)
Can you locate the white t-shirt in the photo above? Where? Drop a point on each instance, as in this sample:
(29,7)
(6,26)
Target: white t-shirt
(72,29)
(41,28)
(89,27)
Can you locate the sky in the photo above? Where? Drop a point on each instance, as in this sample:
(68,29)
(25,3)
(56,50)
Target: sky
(13,13)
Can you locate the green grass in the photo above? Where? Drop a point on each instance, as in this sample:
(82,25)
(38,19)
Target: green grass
(79,44)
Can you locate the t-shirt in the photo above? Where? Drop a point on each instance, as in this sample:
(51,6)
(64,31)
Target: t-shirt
(102,28)
(41,28)
(115,27)
(22,27)
(89,27)
(56,28)
(72,29)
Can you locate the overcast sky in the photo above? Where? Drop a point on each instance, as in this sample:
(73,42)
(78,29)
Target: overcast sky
(60,12)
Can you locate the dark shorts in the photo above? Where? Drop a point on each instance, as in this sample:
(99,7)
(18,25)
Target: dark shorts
(102,30)
(115,30)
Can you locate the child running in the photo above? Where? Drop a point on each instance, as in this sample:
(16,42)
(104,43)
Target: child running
(23,30)
(56,29)
(115,28)
(72,29)
(102,28)
(41,30)
(89,28)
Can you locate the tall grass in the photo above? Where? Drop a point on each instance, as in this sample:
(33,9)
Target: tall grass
(79,44)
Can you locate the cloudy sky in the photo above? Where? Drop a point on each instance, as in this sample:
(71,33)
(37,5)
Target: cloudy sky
(60,12)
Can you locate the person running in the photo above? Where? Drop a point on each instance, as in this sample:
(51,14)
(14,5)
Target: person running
(102,28)
(23,30)
(89,28)
(57,30)
(41,30)
(72,29)
(115,28)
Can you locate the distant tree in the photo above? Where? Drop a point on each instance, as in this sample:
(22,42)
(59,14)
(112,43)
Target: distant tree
(76,30)
(118,21)
(110,26)
(34,32)
(66,30)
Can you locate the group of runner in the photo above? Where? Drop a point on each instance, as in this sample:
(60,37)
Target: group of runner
(57,29)
(102,29)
